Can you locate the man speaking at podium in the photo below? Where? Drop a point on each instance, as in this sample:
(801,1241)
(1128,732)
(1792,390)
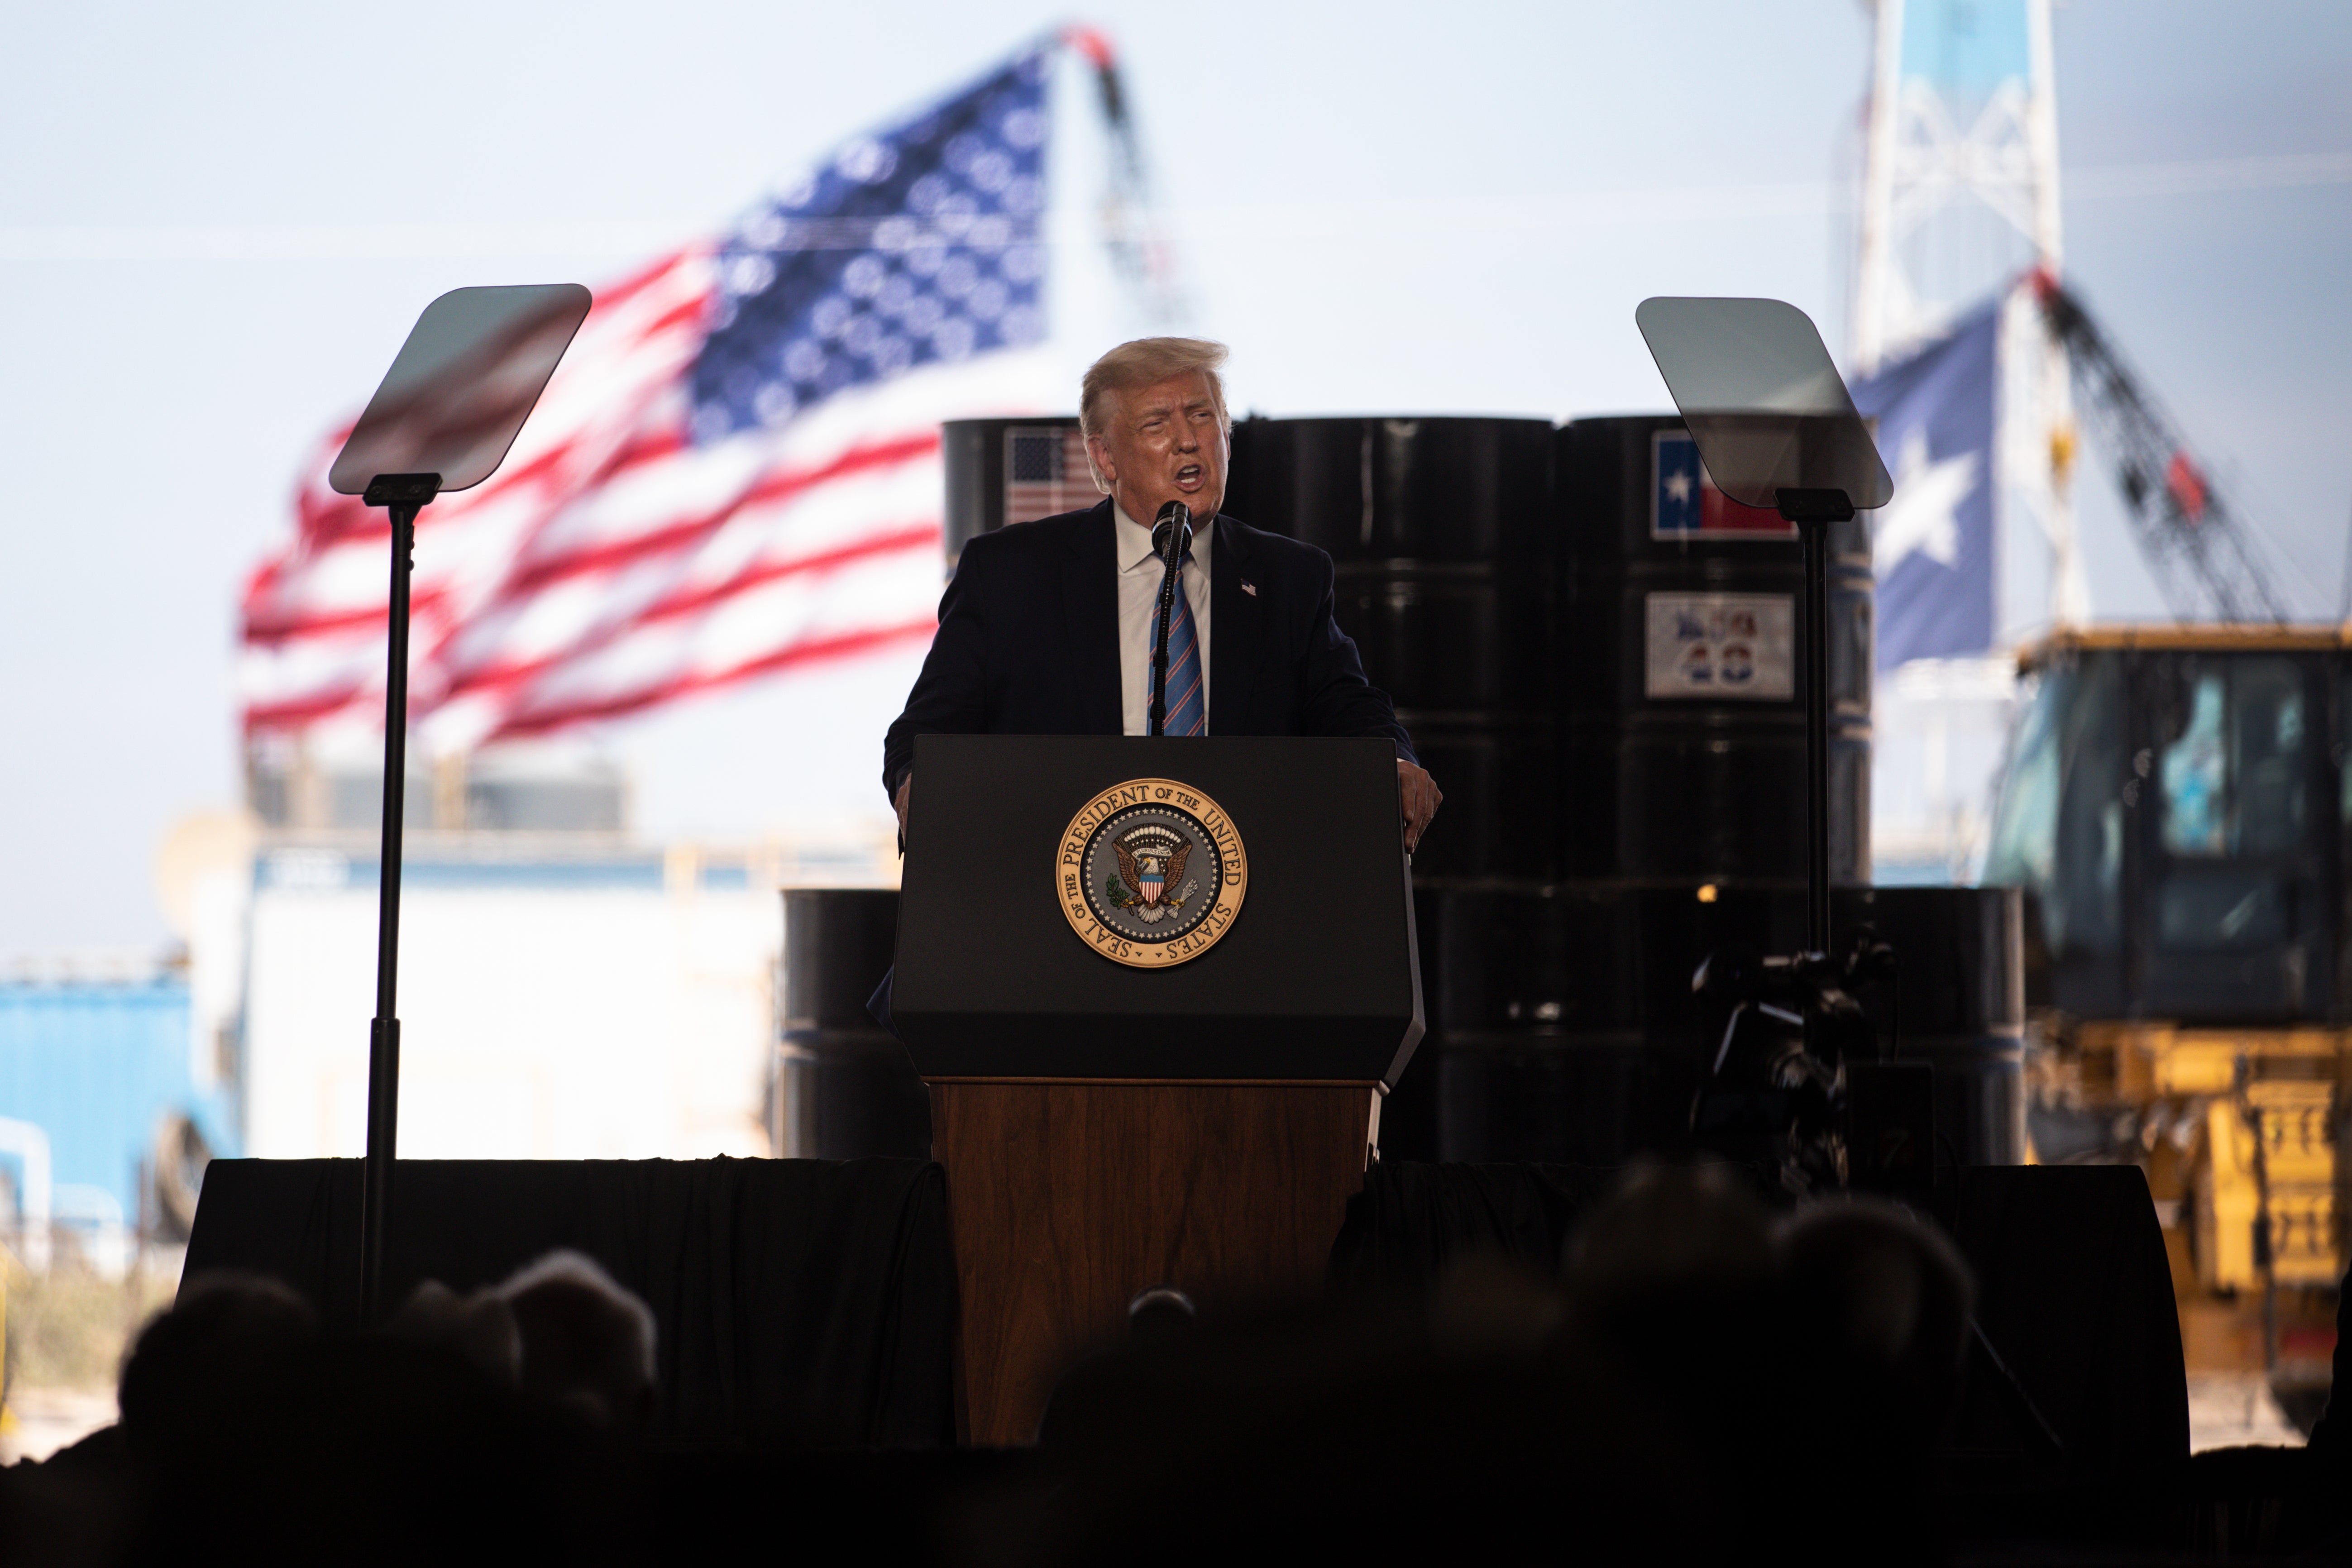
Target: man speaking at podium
(1048,626)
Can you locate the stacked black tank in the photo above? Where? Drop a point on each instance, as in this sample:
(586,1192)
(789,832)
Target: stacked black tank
(1565,1026)
(1446,567)
(1564,1019)
(844,1088)
(1685,750)
(1680,800)
(1524,594)
(1958,1004)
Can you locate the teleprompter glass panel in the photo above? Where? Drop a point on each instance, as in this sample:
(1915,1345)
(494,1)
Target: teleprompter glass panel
(1756,386)
(462,385)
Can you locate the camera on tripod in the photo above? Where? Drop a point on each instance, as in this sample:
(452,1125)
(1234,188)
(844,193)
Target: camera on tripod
(1799,1079)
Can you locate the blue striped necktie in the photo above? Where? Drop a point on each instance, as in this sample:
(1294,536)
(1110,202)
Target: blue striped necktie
(1187,714)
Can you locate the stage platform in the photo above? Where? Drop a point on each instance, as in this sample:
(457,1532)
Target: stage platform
(811,1303)
(805,1303)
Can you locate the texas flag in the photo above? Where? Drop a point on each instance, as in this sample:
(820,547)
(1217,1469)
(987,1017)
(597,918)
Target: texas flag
(1932,546)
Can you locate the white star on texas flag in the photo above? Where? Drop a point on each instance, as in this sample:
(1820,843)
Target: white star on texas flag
(1922,515)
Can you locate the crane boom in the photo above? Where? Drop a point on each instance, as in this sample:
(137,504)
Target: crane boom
(2193,543)
(1140,251)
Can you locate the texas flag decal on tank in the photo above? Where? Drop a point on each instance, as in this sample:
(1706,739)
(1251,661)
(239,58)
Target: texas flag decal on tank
(1685,504)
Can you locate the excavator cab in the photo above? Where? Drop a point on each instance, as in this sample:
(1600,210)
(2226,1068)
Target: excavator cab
(2176,803)
(2176,806)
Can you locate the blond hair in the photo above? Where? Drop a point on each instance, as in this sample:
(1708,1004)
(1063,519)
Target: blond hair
(1145,361)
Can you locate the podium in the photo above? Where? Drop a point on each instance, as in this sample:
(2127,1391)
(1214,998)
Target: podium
(1156,987)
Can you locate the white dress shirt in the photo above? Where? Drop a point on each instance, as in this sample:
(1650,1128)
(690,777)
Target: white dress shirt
(1138,604)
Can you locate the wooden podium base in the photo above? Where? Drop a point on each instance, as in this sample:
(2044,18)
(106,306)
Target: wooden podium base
(1067,1198)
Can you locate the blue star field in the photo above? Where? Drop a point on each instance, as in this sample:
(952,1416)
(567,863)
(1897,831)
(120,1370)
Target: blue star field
(918,245)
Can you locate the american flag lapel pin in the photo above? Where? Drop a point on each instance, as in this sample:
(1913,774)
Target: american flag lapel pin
(1249,587)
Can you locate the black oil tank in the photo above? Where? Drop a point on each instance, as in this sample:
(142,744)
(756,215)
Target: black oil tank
(1958,1004)
(1445,557)
(844,1090)
(1682,671)
(1563,1025)
(1011,470)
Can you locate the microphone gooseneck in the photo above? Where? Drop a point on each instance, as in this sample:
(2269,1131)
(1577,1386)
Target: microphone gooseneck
(1172,536)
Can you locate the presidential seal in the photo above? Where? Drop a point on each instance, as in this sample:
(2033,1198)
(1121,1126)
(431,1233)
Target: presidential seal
(1151,873)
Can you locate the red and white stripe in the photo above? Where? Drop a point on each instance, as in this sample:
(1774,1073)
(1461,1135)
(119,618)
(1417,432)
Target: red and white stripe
(611,564)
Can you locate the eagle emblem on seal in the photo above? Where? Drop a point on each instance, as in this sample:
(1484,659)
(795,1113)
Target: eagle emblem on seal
(1151,864)
(1151,873)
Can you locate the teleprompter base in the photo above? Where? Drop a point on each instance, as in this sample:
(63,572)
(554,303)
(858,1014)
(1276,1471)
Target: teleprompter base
(1067,1198)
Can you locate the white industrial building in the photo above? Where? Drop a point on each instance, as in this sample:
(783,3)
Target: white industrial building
(564,994)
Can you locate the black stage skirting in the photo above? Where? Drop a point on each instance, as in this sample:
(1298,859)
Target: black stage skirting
(811,1303)
(2074,1291)
(800,1302)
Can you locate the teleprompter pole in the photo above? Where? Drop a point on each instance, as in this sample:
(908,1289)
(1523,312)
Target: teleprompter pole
(1817,737)
(1813,511)
(404,495)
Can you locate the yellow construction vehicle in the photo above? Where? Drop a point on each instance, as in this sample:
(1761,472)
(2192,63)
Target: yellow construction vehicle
(2177,804)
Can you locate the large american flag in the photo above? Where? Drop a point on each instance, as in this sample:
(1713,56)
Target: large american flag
(735,470)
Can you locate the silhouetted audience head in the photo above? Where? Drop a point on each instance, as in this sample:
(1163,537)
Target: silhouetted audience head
(206,1393)
(1485,1308)
(1685,1387)
(1882,1301)
(252,1434)
(480,1326)
(224,1365)
(1160,1313)
(1668,1231)
(1674,1295)
(587,1343)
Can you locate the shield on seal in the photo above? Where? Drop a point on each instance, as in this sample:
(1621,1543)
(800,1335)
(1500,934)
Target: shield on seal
(1150,858)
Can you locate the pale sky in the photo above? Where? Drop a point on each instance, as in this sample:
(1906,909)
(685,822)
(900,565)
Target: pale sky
(216,224)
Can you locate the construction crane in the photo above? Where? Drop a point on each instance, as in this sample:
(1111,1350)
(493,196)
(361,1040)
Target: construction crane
(1962,127)
(1141,252)
(2195,546)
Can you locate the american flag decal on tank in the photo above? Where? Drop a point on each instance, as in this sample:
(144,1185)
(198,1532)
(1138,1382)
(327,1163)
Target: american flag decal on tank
(1045,472)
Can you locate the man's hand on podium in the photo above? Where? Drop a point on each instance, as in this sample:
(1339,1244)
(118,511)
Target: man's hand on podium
(904,786)
(1417,794)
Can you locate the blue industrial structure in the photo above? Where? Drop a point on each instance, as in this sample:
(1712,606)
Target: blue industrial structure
(103,1069)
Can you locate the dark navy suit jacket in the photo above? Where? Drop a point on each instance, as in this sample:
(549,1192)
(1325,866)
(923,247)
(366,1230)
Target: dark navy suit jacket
(1028,642)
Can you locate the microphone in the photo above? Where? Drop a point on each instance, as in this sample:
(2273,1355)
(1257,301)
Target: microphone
(1172,536)
(1175,520)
